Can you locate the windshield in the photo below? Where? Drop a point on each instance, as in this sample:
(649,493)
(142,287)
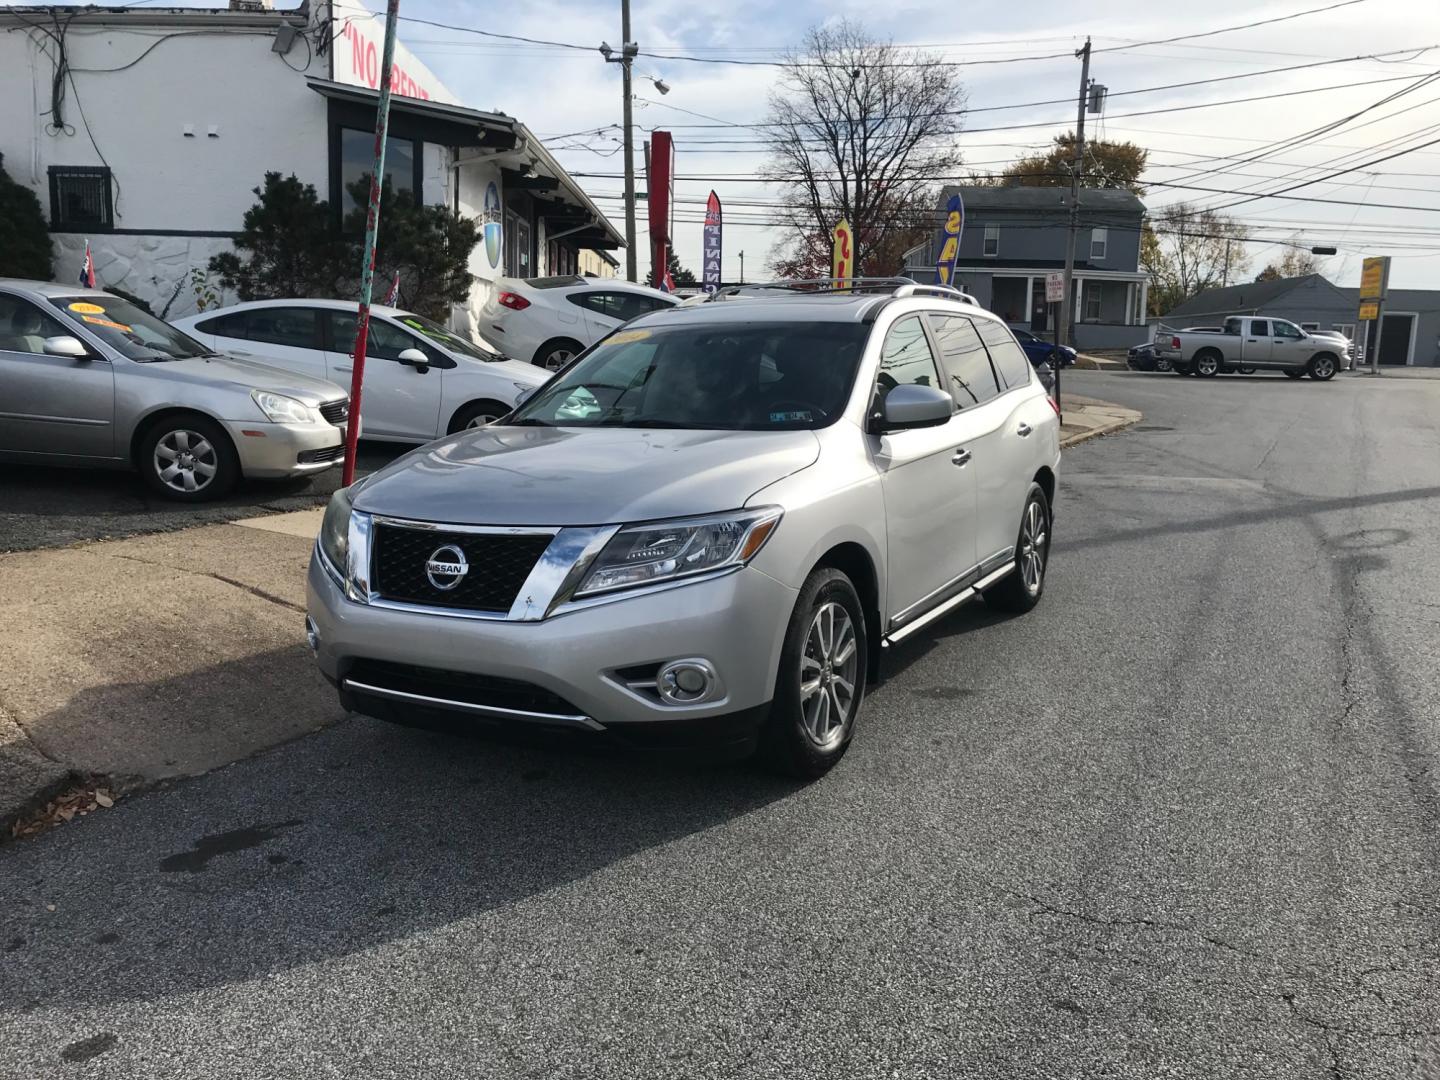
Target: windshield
(445,339)
(736,376)
(129,330)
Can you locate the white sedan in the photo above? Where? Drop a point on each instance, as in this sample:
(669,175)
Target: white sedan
(548,320)
(421,381)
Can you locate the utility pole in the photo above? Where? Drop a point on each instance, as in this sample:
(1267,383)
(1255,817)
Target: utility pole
(1067,305)
(1225,274)
(627,57)
(742,268)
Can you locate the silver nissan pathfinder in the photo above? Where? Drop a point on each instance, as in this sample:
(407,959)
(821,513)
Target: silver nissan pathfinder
(702,530)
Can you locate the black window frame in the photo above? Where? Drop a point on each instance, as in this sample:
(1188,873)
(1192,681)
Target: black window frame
(317,341)
(345,116)
(1259,333)
(996,369)
(948,372)
(59,222)
(211,325)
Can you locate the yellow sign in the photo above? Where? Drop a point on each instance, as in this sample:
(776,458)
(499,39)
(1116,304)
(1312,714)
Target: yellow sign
(111,323)
(842,255)
(1374,276)
(87,309)
(1369,310)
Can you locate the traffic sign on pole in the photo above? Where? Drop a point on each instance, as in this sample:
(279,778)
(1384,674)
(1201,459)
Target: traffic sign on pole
(1054,288)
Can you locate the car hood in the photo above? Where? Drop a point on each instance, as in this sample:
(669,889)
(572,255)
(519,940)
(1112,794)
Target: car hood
(246,375)
(503,475)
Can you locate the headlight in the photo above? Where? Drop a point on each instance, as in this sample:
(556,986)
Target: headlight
(281,409)
(335,530)
(645,554)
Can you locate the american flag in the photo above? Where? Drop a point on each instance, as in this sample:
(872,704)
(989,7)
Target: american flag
(392,295)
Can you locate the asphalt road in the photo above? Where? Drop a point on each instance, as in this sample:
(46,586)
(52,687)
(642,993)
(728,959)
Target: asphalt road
(49,507)
(1180,821)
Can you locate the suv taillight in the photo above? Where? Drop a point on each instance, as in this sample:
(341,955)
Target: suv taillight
(514,301)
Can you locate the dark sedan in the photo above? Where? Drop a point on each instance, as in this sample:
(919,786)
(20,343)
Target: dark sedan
(1041,351)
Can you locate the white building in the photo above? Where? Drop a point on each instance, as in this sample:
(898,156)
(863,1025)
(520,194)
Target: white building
(165,121)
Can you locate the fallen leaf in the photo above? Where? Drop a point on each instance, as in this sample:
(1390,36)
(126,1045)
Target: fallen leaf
(104,799)
(49,907)
(67,812)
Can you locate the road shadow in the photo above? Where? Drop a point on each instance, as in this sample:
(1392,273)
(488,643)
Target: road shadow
(358,836)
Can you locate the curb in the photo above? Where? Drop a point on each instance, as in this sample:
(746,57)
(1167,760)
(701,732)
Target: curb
(1096,432)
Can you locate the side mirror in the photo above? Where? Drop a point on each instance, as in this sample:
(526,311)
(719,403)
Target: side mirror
(915,406)
(65,345)
(416,359)
(525,395)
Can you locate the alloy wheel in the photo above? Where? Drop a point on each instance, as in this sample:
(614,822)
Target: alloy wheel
(555,359)
(481,420)
(185,460)
(1032,548)
(1322,367)
(828,669)
(1207,365)
(1162,364)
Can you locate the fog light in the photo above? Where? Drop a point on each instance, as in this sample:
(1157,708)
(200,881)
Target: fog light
(685,682)
(312,634)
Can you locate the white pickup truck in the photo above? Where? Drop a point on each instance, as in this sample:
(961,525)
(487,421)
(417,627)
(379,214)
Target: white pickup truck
(1248,343)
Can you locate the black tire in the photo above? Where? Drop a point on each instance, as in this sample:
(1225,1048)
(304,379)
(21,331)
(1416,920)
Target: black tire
(556,353)
(477,414)
(169,452)
(1246,370)
(1022,589)
(1323,367)
(1291,373)
(1162,364)
(788,742)
(1207,363)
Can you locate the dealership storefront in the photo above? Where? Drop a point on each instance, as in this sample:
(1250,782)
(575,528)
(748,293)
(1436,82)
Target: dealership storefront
(176,115)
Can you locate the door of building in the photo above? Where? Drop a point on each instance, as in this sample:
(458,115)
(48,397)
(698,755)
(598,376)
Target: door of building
(1395,334)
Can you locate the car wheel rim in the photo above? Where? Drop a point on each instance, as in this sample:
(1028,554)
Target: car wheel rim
(1033,539)
(186,461)
(1205,367)
(828,666)
(481,420)
(558,358)
(1162,365)
(1323,368)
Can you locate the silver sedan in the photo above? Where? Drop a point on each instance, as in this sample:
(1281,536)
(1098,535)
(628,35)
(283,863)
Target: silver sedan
(88,378)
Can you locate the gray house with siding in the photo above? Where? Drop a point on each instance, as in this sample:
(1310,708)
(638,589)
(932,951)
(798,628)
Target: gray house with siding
(1410,321)
(1014,236)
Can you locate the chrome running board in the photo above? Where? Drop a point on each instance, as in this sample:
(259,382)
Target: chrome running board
(948,606)
(493,712)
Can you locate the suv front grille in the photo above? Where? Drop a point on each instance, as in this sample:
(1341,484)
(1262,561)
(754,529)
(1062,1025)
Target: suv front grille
(486,691)
(497,566)
(336,412)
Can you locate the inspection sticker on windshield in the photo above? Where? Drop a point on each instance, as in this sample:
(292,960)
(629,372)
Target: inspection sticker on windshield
(799,417)
(81,308)
(96,320)
(625,337)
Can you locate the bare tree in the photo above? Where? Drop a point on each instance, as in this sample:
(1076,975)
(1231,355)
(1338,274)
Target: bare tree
(860,130)
(1295,261)
(1186,251)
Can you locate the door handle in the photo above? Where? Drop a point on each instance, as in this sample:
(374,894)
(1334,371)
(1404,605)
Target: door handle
(961,458)
(344,370)
(1023,430)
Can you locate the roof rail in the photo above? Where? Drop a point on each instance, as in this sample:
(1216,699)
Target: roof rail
(818,285)
(947,291)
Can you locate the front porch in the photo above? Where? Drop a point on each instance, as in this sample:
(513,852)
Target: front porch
(1108,305)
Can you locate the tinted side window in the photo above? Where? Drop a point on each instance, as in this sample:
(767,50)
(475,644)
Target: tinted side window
(1011,363)
(295,327)
(1259,328)
(906,359)
(24,327)
(385,342)
(231,326)
(971,379)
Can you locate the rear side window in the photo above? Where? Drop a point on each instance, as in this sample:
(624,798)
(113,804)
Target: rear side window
(1259,328)
(384,342)
(972,380)
(1011,363)
(231,326)
(906,359)
(295,327)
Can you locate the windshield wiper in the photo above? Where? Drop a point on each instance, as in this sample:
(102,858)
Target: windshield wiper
(529,421)
(642,421)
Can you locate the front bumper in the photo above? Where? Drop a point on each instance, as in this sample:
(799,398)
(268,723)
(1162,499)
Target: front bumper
(736,622)
(279,450)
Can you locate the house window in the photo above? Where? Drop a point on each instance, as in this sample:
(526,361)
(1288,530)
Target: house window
(1092,301)
(80,198)
(1346,328)
(992,241)
(1099,241)
(1312,326)
(357,162)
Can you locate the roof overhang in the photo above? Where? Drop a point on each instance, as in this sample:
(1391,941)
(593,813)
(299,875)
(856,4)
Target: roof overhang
(470,127)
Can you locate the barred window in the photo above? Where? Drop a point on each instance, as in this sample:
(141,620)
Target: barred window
(80,198)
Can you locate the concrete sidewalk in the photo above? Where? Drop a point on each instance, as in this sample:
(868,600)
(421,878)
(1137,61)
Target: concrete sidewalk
(141,660)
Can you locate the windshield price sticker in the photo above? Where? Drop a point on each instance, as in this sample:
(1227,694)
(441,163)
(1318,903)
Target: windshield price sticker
(95,320)
(625,337)
(81,308)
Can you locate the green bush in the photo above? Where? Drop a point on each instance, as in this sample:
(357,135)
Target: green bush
(25,250)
